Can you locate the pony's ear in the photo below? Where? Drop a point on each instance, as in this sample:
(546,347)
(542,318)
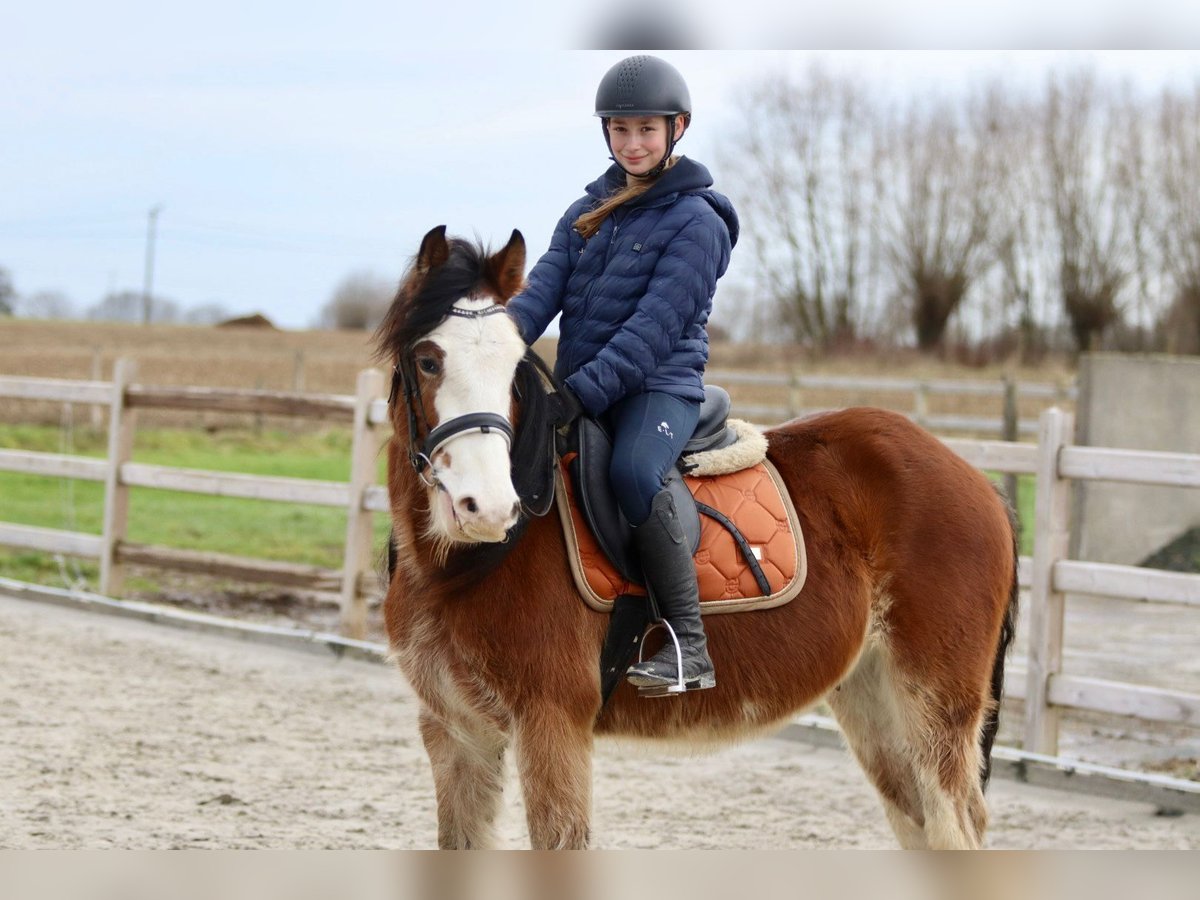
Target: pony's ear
(434,250)
(506,269)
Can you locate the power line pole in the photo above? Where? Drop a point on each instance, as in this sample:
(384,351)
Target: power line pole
(148,283)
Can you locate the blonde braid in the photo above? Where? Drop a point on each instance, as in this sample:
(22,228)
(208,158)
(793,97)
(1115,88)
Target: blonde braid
(589,222)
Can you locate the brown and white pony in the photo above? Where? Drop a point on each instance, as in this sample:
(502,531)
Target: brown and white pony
(902,626)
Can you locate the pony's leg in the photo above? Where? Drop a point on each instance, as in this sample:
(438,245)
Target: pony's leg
(920,747)
(554,759)
(947,757)
(868,711)
(468,776)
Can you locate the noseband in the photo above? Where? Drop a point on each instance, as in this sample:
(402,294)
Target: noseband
(404,379)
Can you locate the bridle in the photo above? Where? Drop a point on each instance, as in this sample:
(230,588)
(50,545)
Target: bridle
(421,453)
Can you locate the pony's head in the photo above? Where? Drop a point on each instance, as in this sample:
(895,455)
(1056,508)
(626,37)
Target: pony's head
(455,355)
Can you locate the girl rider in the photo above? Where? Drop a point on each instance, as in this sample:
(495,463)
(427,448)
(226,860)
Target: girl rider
(632,266)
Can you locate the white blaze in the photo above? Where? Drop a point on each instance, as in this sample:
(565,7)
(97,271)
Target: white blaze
(481,357)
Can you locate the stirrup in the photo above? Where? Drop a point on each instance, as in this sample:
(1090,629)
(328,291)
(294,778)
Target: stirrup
(680,686)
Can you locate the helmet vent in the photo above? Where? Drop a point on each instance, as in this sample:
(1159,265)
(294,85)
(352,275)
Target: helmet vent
(627,77)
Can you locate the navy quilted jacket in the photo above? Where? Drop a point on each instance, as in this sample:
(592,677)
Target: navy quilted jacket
(636,296)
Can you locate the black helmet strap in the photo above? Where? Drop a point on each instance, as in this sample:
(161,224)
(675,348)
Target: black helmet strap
(662,163)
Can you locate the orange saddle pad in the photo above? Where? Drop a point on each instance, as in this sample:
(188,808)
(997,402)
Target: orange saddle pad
(753,498)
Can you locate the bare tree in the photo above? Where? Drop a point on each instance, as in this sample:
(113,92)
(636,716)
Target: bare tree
(1083,143)
(117,306)
(1136,200)
(8,294)
(206,314)
(1051,202)
(359,302)
(129,306)
(802,188)
(1024,229)
(46,305)
(1020,229)
(1177,227)
(937,179)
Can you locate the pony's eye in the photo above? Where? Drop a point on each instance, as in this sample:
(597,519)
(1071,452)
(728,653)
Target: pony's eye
(429,365)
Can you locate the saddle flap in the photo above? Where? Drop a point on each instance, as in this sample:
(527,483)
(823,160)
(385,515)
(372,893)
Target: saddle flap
(534,456)
(630,616)
(534,478)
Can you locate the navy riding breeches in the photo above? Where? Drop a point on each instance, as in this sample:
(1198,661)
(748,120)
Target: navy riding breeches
(649,431)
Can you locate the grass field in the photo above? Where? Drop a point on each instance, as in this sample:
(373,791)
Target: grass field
(286,532)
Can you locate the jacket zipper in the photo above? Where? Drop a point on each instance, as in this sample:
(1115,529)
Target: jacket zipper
(619,216)
(612,239)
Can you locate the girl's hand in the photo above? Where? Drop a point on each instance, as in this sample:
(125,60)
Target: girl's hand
(567,407)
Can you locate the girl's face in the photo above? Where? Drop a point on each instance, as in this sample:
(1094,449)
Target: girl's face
(640,143)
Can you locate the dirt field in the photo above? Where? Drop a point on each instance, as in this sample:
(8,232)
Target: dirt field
(125,734)
(1143,644)
(329,361)
(311,361)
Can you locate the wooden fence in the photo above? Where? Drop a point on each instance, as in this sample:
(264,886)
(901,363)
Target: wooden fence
(1048,575)
(366,412)
(1006,394)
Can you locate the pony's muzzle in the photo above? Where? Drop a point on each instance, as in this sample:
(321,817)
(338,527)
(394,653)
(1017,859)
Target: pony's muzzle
(479,502)
(486,524)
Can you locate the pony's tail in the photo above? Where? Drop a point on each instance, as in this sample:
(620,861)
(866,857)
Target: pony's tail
(1008,628)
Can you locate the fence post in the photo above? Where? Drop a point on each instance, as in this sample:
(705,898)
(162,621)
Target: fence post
(259,419)
(122,423)
(1051,535)
(364,453)
(794,396)
(1012,432)
(97,413)
(298,372)
(921,404)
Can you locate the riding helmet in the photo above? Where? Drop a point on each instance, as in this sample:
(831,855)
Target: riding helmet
(642,86)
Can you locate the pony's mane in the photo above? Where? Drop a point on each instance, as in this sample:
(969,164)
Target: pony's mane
(423,301)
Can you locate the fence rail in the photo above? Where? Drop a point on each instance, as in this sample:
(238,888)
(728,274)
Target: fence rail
(55,389)
(1005,423)
(1048,573)
(278,403)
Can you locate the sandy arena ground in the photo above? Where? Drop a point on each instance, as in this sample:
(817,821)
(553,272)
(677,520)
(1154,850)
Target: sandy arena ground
(119,733)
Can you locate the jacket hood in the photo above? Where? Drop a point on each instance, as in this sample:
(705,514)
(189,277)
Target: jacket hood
(685,177)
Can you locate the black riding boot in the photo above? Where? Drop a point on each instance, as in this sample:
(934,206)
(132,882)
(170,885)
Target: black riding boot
(671,577)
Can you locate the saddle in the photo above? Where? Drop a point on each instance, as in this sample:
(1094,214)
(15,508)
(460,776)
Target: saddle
(740,523)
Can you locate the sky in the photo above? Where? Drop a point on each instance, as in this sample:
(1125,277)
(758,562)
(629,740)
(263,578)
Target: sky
(288,149)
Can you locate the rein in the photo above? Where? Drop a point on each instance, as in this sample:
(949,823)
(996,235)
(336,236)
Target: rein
(404,380)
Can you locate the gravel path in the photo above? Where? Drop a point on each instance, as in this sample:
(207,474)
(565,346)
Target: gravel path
(118,733)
